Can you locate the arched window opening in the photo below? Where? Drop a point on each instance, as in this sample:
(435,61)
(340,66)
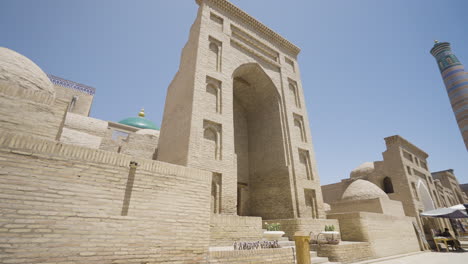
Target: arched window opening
(388,186)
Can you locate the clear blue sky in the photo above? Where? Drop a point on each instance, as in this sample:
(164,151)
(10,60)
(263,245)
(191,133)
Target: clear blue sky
(365,65)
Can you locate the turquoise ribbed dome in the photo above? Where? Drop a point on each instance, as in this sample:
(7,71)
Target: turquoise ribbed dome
(140,121)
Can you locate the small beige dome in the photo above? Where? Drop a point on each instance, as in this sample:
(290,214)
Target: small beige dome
(363,190)
(148,132)
(19,72)
(326,207)
(363,170)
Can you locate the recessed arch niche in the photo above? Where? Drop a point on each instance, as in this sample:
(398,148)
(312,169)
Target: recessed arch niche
(259,145)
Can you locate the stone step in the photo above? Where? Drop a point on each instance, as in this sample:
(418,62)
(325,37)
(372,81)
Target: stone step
(463,238)
(318,260)
(313,254)
(286,243)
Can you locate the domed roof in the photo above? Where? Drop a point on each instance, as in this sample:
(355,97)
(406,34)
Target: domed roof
(362,170)
(326,207)
(140,121)
(363,190)
(19,72)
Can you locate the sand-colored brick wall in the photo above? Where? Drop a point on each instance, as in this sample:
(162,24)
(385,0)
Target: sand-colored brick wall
(388,235)
(24,115)
(64,204)
(74,137)
(83,130)
(86,124)
(83,103)
(176,126)
(346,252)
(225,229)
(142,146)
(271,256)
(333,192)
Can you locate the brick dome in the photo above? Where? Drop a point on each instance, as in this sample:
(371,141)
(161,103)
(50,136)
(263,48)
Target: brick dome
(20,73)
(362,170)
(363,190)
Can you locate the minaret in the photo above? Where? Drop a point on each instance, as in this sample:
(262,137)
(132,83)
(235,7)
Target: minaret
(456,83)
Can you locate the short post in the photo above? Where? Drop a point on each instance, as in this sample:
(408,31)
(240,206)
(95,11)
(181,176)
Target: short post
(301,240)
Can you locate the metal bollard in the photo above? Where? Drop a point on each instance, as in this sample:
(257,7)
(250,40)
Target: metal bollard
(301,240)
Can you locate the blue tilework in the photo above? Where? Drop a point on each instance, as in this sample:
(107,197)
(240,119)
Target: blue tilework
(457,86)
(455,95)
(463,108)
(72,85)
(450,73)
(450,81)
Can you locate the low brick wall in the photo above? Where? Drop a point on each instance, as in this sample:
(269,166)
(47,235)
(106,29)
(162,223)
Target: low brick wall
(290,226)
(345,252)
(66,204)
(271,255)
(225,229)
(387,235)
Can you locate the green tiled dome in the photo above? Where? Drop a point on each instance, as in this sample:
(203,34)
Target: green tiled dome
(140,122)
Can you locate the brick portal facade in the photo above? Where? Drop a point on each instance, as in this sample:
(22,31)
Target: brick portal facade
(235,151)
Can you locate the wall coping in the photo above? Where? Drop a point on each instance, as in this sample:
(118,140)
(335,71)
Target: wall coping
(71,84)
(254,23)
(399,140)
(29,145)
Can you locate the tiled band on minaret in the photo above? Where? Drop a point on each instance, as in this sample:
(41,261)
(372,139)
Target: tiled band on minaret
(456,83)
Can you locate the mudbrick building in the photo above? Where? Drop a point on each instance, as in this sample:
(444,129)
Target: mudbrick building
(234,151)
(403,175)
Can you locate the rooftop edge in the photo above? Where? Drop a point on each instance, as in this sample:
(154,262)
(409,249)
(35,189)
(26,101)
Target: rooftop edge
(248,19)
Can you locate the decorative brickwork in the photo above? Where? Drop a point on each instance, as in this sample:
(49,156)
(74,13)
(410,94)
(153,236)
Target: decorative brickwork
(456,82)
(72,85)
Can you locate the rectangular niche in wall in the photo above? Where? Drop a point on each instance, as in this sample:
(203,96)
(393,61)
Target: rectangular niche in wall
(214,56)
(415,191)
(213,95)
(299,127)
(218,21)
(311,202)
(407,156)
(293,90)
(305,166)
(216,193)
(212,143)
(290,64)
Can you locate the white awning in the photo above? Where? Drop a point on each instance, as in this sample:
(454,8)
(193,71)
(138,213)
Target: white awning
(456,211)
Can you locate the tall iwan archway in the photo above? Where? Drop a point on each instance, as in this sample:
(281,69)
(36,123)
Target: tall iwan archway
(259,145)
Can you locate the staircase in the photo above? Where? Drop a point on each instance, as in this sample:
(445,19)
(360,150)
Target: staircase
(314,259)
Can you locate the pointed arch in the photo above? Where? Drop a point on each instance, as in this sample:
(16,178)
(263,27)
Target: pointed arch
(259,144)
(425,195)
